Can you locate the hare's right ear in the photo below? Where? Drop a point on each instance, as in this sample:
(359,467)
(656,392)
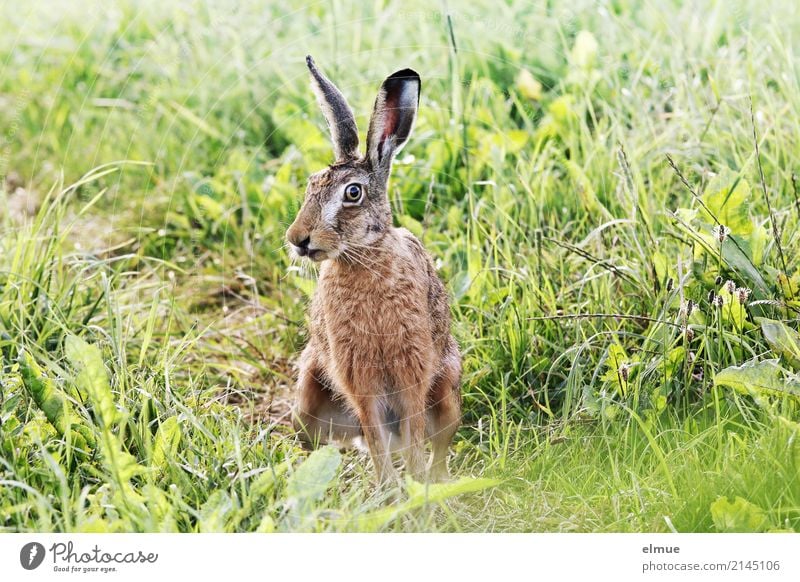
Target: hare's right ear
(341,122)
(393,117)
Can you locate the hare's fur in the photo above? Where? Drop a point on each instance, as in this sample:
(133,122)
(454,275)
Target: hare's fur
(381,363)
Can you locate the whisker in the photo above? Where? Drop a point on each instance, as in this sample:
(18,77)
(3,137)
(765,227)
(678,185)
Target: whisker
(360,259)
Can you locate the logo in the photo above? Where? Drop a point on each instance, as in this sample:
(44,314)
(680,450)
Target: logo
(31,555)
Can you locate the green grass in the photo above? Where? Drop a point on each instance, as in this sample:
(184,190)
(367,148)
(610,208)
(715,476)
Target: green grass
(153,153)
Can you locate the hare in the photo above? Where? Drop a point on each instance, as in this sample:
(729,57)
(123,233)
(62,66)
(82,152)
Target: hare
(380,362)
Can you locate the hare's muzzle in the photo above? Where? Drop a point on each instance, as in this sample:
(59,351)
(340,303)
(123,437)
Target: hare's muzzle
(300,244)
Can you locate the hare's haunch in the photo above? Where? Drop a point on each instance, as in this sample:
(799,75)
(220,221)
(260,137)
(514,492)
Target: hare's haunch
(381,363)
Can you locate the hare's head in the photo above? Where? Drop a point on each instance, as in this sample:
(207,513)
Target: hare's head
(346,208)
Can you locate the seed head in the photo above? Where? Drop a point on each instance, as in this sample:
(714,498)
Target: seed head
(624,372)
(743,293)
(687,309)
(730,286)
(721,232)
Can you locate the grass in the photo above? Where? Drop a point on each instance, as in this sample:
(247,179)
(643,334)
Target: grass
(587,177)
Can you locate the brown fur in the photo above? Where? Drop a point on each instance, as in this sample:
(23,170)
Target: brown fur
(381,362)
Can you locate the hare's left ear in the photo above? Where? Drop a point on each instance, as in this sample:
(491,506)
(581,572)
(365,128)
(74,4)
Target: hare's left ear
(393,117)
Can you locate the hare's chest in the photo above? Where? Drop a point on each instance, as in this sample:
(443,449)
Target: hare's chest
(351,311)
(369,319)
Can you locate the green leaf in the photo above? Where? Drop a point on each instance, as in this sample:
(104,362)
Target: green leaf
(161,509)
(658,399)
(419,495)
(422,493)
(740,516)
(616,359)
(168,437)
(728,199)
(92,378)
(308,484)
(265,483)
(611,411)
(661,264)
(461,283)
(783,340)
(124,463)
(671,365)
(733,311)
(214,512)
(312,478)
(45,393)
(757,378)
(741,262)
(54,404)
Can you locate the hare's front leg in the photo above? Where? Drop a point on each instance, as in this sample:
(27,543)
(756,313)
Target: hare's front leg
(367,398)
(376,434)
(319,416)
(412,381)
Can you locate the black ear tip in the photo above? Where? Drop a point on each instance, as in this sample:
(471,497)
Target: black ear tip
(405,74)
(310,62)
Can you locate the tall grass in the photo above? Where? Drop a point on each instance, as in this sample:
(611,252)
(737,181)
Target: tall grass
(607,189)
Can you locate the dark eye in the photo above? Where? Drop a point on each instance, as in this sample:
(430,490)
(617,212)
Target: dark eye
(352,193)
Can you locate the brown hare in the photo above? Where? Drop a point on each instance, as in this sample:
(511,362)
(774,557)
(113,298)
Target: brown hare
(380,363)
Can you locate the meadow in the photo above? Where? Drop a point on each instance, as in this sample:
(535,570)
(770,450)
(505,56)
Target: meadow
(608,189)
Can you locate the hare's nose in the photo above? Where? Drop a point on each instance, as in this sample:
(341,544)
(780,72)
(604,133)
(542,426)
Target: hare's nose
(302,246)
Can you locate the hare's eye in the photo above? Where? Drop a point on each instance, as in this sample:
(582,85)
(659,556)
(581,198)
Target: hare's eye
(352,193)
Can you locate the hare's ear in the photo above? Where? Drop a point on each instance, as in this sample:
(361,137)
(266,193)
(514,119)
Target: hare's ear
(393,117)
(341,122)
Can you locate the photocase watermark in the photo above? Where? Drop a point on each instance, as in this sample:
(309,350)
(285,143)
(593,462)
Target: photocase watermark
(67,558)
(31,555)
(8,137)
